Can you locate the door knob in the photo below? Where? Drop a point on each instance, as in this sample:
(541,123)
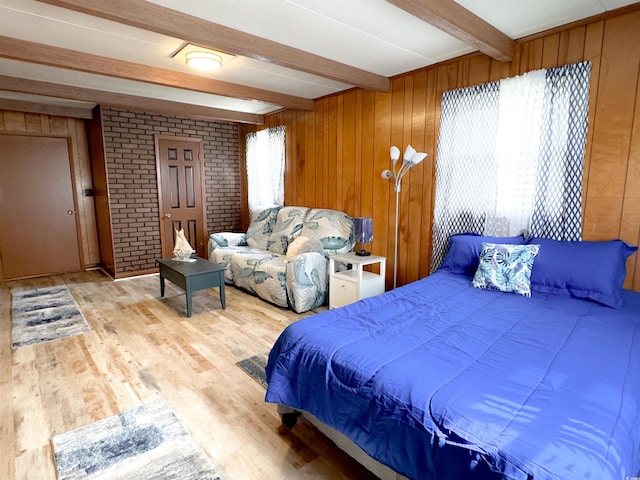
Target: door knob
(70,212)
(168,215)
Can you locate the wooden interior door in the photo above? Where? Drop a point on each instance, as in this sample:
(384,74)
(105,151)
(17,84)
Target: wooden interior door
(180,188)
(38,228)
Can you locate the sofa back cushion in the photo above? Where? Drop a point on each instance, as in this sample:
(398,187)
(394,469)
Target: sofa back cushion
(287,227)
(334,229)
(261,226)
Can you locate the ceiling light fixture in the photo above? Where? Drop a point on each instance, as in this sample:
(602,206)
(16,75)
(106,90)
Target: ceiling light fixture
(205,61)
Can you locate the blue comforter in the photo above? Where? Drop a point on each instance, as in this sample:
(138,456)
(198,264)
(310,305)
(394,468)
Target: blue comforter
(439,380)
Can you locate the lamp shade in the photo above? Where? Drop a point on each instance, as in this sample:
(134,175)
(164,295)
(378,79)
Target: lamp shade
(394,153)
(417,158)
(363,229)
(409,153)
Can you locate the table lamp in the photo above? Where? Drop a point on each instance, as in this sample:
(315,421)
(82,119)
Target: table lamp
(363,233)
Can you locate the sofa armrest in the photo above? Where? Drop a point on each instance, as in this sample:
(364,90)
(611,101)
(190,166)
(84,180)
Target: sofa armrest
(307,281)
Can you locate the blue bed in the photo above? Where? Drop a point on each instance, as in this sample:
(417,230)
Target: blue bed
(441,380)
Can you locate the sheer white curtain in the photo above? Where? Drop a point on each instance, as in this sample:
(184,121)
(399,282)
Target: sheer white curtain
(265,168)
(520,114)
(510,157)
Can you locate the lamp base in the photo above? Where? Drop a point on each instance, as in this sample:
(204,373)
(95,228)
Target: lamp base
(362,253)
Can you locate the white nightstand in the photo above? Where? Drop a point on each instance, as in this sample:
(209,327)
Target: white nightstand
(351,285)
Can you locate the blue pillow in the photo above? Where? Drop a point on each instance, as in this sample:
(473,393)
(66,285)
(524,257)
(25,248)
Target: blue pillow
(463,255)
(506,268)
(581,269)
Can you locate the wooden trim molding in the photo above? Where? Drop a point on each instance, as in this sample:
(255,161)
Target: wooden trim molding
(46,109)
(100,182)
(131,102)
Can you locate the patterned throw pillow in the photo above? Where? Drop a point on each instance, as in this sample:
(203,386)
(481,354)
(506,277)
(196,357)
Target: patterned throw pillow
(304,245)
(506,268)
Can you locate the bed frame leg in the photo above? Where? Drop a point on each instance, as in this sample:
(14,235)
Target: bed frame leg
(290,419)
(288,415)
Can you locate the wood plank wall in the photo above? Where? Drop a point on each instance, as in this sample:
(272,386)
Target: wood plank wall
(74,129)
(335,154)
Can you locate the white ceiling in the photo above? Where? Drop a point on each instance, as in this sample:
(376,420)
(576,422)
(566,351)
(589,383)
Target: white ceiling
(371,35)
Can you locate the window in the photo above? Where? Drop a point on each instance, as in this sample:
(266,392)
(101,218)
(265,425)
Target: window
(510,157)
(265,168)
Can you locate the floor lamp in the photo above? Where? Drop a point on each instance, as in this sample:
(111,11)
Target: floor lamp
(411,158)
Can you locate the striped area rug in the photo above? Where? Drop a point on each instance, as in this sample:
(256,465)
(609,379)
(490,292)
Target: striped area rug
(145,443)
(44,314)
(254,367)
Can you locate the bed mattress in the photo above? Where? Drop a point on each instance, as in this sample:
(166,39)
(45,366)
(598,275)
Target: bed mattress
(441,380)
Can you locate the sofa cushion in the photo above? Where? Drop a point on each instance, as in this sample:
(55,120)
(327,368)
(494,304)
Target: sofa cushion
(287,227)
(304,245)
(243,266)
(334,229)
(223,255)
(261,227)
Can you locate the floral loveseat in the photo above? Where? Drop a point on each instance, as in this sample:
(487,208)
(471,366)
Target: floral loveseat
(283,257)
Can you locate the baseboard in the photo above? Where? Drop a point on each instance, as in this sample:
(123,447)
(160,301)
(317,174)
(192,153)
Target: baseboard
(126,275)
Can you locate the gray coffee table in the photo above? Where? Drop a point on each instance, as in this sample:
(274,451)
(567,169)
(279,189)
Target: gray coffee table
(192,277)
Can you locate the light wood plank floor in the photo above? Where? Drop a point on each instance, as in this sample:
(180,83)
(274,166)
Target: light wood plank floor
(142,347)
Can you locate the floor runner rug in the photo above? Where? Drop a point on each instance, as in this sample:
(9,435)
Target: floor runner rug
(44,314)
(144,443)
(254,367)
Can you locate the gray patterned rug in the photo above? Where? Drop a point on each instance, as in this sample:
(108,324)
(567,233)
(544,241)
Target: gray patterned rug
(144,443)
(44,314)
(254,367)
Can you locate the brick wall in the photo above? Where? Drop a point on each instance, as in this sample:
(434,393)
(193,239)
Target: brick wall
(133,187)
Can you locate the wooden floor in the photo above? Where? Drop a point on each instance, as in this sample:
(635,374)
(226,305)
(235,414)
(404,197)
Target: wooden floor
(142,347)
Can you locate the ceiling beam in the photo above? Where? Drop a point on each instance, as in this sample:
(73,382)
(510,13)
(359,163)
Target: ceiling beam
(130,102)
(452,18)
(159,19)
(70,59)
(45,108)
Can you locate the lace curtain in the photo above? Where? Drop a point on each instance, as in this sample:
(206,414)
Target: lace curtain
(510,157)
(265,168)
